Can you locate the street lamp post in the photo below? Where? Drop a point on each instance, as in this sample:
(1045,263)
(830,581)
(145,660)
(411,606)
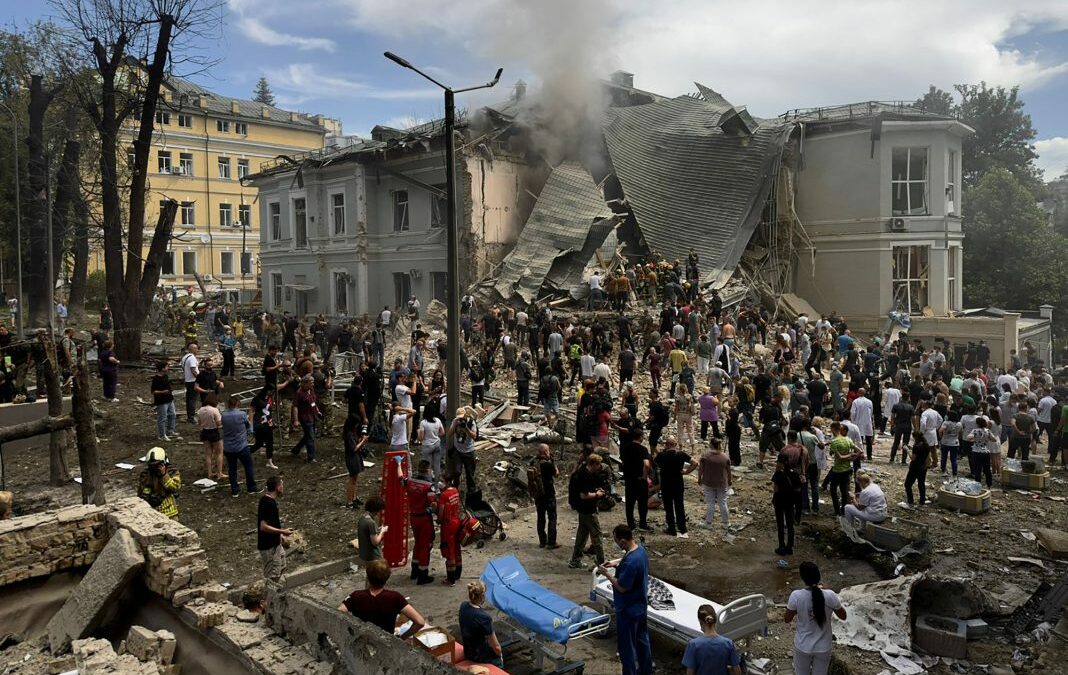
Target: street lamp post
(452,361)
(18,220)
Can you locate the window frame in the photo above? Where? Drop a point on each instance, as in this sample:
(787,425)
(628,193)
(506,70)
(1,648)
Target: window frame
(402,222)
(274,221)
(334,206)
(224,162)
(226,215)
(163,157)
(168,256)
(188,211)
(952,277)
(223,256)
(196,263)
(241,128)
(908,182)
(187,119)
(185,163)
(922,279)
(243,168)
(163,117)
(244,215)
(222,126)
(245,255)
(339,279)
(299,227)
(439,208)
(277,289)
(952,194)
(399,286)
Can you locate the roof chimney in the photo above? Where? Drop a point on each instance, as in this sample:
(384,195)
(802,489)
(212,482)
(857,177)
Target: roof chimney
(265,112)
(202,101)
(235,107)
(520,90)
(294,117)
(622,78)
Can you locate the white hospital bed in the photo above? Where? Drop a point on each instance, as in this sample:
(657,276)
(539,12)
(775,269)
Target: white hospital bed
(740,619)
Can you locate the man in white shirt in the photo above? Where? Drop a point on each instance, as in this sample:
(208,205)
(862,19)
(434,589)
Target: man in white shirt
(595,291)
(869,504)
(1007,378)
(384,317)
(891,397)
(587,362)
(930,421)
(861,413)
(190,370)
(602,369)
(1046,404)
(555,343)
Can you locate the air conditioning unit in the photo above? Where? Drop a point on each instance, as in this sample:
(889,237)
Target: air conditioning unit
(177,171)
(416,273)
(899,225)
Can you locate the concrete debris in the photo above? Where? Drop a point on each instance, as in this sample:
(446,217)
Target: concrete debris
(95,656)
(147,645)
(115,567)
(879,619)
(1054,541)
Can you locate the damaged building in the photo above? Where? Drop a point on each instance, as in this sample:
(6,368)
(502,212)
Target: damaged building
(852,209)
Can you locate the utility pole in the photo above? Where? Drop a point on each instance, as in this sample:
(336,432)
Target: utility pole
(452,253)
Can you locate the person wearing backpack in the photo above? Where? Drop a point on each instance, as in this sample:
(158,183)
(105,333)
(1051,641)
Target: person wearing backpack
(541,475)
(786,485)
(478,383)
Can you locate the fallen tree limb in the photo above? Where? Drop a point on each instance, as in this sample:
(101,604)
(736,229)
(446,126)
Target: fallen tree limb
(45,425)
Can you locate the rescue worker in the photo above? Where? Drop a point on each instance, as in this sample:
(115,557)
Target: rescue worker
(189,331)
(159,484)
(449,520)
(421,496)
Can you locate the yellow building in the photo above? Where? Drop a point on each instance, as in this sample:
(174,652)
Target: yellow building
(203,145)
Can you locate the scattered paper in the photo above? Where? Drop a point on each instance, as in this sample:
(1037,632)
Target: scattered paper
(1029,561)
(124,465)
(78,480)
(1029,536)
(205,483)
(367,465)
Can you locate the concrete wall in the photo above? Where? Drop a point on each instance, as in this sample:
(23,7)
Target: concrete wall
(42,543)
(355,646)
(844,199)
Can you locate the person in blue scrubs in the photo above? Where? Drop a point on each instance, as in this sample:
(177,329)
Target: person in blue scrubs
(630,595)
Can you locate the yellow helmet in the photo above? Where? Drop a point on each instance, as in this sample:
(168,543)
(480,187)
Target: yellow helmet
(157,455)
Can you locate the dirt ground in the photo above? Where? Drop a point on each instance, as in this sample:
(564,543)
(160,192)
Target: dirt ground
(962,546)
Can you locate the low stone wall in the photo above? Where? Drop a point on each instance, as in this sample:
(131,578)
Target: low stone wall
(40,544)
(355,646)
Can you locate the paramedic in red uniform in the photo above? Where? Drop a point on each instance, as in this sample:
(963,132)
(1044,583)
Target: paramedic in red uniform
(449,519)
(421,495)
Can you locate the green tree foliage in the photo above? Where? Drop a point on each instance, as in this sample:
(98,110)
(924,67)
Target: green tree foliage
(1013,257)
(263,92)
(1003,136)
(938,102)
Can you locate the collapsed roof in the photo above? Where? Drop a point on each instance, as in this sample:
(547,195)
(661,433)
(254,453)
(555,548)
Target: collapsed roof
(696,172)
(569,223)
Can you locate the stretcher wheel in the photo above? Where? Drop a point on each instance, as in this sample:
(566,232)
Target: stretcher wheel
(502,536)
(480,543)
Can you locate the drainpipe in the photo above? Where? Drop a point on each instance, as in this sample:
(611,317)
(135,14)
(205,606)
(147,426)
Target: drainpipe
(207,189)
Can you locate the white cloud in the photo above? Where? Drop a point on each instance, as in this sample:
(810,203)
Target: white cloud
(300,82)
(1053,157)
(255,29)
(771,54)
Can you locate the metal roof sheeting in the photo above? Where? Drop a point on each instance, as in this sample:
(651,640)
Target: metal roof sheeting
(570,221)
(690,184)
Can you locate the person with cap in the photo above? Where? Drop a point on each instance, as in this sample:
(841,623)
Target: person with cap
(235,429)
(159,484)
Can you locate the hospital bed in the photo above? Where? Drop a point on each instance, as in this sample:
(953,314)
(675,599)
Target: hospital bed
(533,615)
(737,620)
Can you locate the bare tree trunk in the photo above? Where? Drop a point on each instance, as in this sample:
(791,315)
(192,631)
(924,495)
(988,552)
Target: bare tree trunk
(36,273)
(67,194)
(58,474)
(85,434)
(80,275)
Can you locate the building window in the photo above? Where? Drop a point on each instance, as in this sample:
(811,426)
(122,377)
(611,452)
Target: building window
(300,222)
(241,128)
(163,117)
(400,211)
(164,159)
(951,278)
(226,215)
(189,263)
(131,157)
(341,293)
(246,263)
(185,120)
(244,215)
(439,286)
(337,212)
(167,267)
(274,216)
(276,290)
(242,168)
(226,263)
(224,167)
(189,214)
(911,275)
(402,288)
(439,207)
(908,182)
(951,184)
(185,164)
(223,126)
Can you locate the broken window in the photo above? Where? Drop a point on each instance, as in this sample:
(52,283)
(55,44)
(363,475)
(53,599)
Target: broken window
(167,268)
(276,290)
(439,286)
(400,210)
(164,159)
(439,207)
(300,222)
(337,204)
(341,293)
(908,182)
(274,215)
(911,275)
(951,183)
(402,288)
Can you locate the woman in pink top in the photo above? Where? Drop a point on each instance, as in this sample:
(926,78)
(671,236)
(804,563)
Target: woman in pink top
(709,412)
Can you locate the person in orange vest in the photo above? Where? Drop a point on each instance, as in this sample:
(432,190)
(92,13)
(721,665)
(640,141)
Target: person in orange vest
(449,520)
(421,497)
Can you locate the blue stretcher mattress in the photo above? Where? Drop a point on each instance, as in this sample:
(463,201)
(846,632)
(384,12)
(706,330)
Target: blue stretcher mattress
(511,590)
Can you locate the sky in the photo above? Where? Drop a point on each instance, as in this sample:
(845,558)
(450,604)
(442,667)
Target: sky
(325,56)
